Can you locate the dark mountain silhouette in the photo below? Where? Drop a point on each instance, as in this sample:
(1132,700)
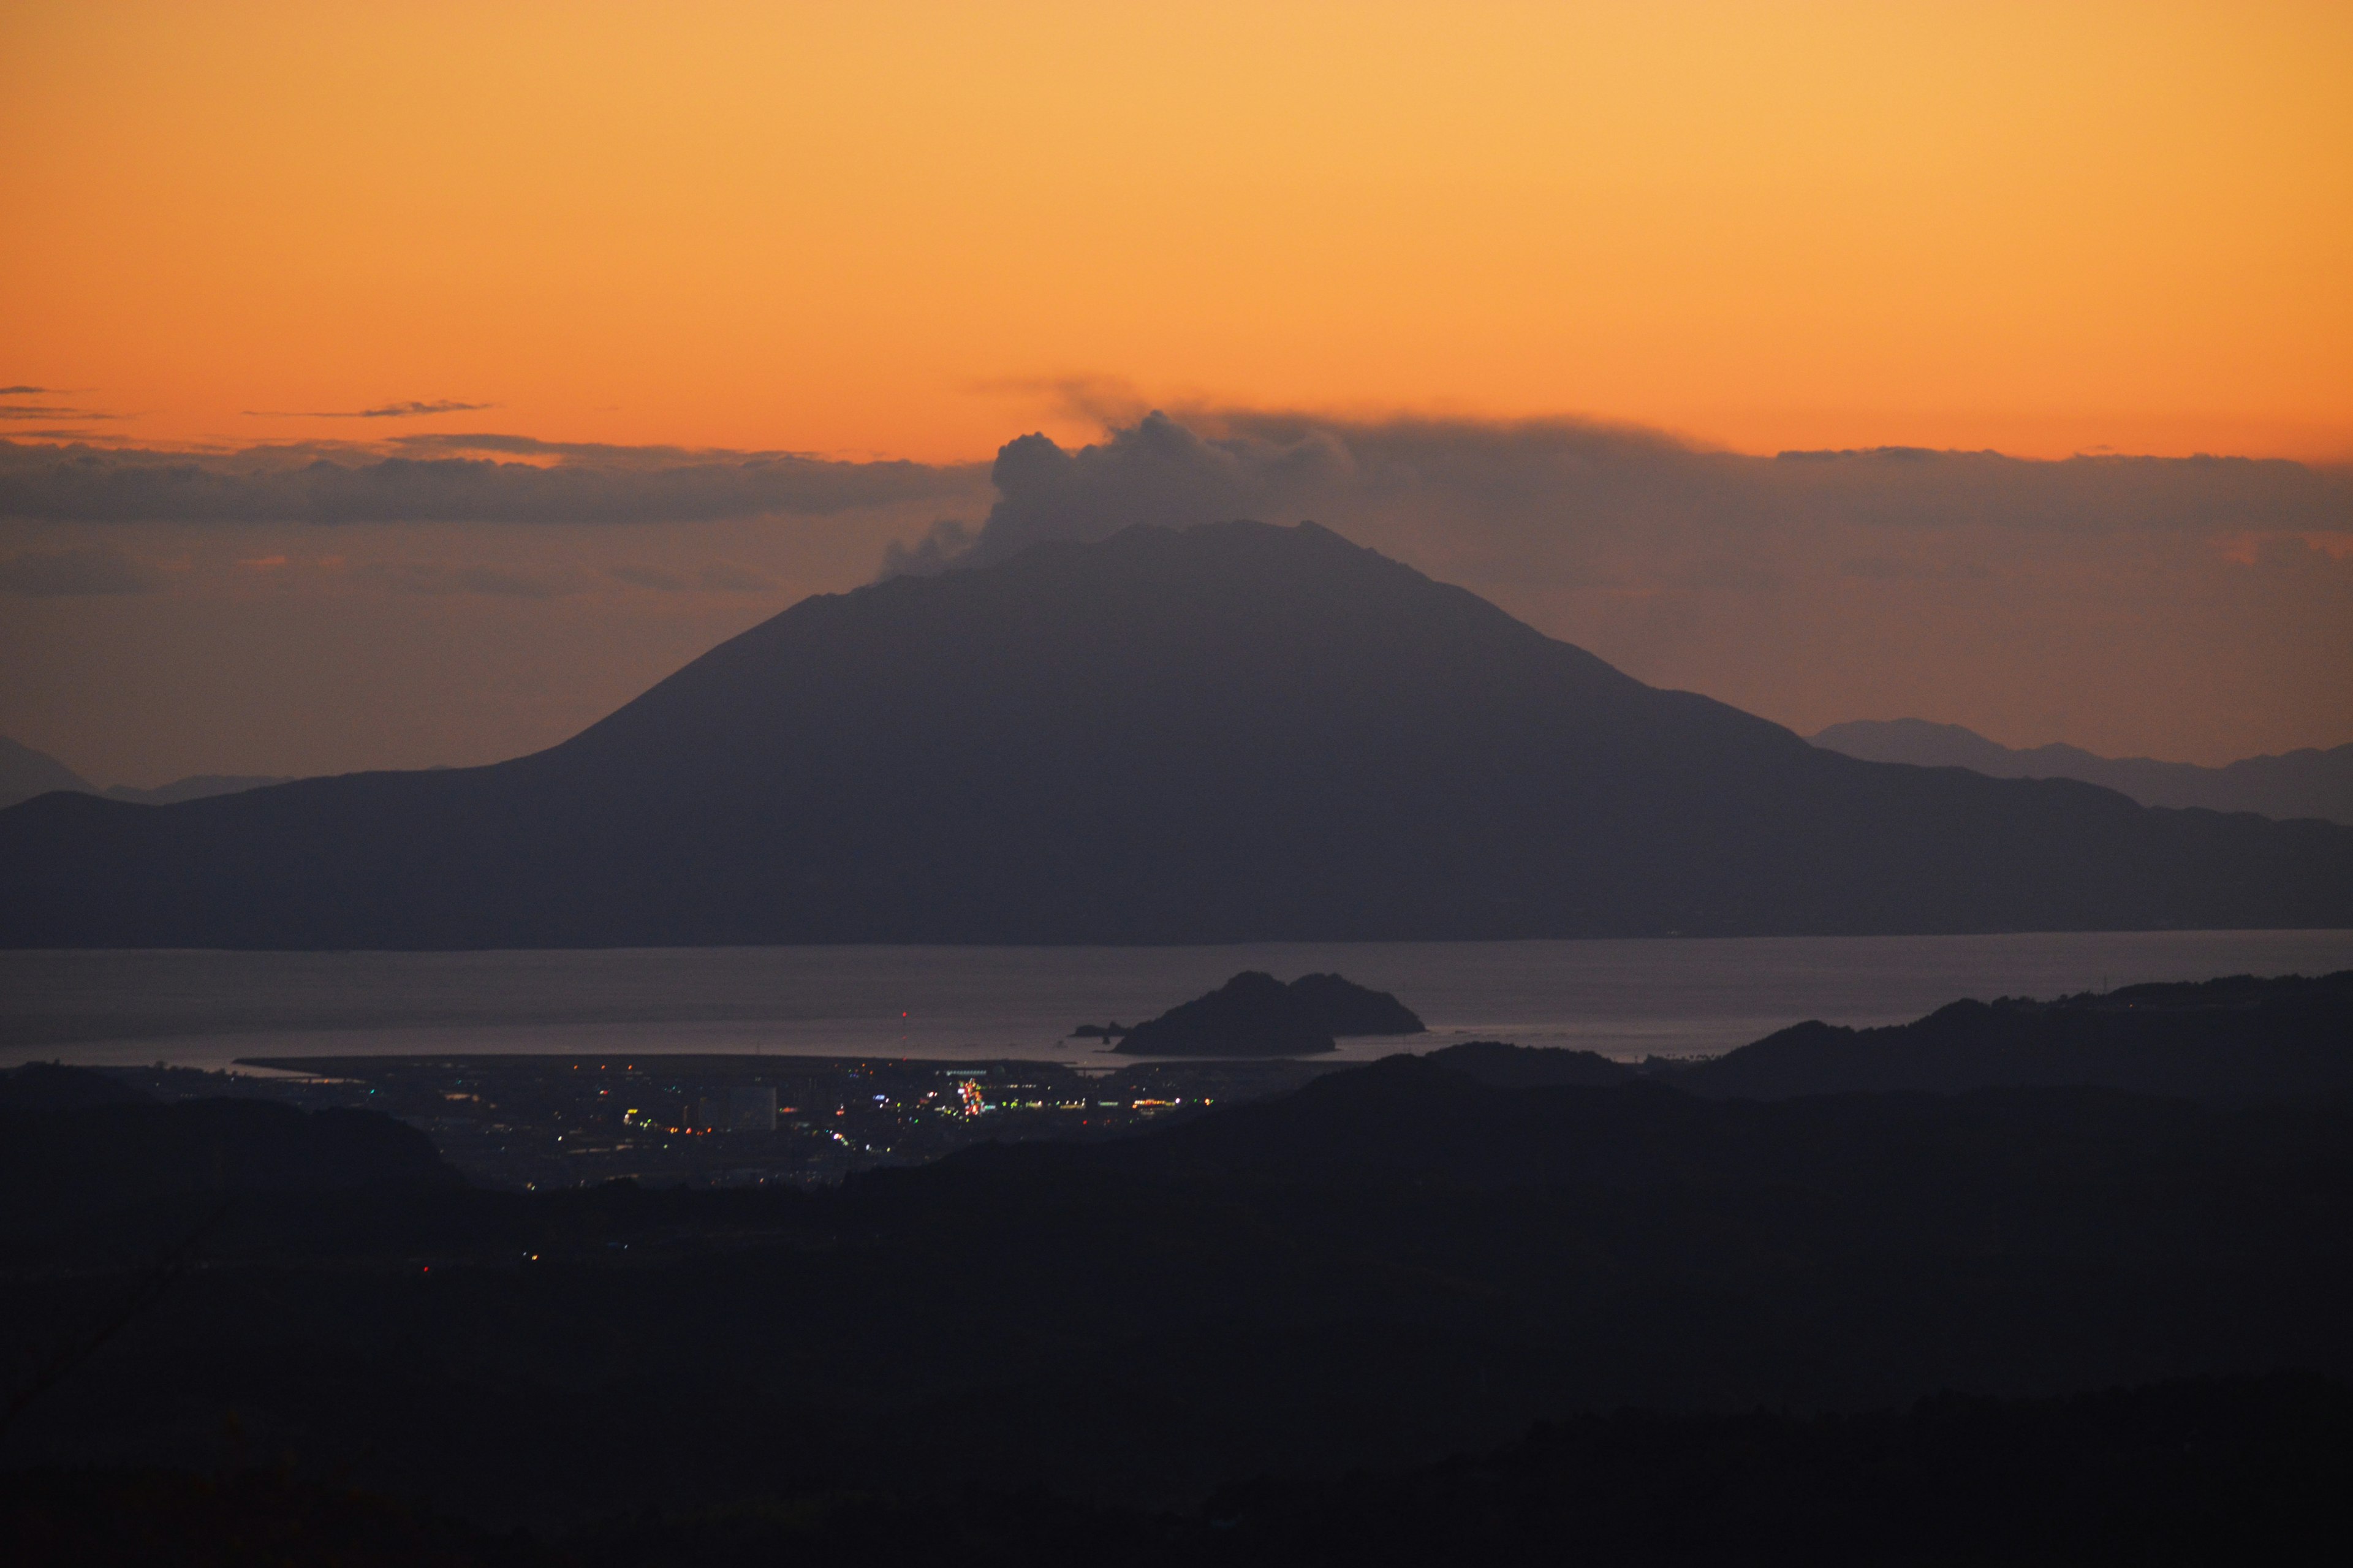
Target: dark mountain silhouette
(2236,1038)
(2236,1469)
(1490,1114)
(1220,734)
(137,1164)
(1531,1066)
(26,773)
(1406,1120)
(2183,1472)
(52,1085)
(1253,1015)
(1393,1264)
(2306,783)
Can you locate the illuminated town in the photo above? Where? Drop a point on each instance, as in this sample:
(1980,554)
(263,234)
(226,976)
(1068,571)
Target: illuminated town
(540,1122)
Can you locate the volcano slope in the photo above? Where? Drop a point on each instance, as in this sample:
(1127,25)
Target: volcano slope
(1227,732)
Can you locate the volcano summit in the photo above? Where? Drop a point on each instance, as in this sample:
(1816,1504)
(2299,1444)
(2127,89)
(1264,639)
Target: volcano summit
(1220,734)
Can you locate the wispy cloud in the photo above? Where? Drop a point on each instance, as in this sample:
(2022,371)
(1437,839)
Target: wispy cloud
(722,578)
(412,409)
(2127,604)
(436,577)
(717,578)
(1109,401)
(652,577)
(30,412)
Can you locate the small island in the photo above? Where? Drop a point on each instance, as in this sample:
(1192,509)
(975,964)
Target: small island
(1255,1015)
(1349,1009)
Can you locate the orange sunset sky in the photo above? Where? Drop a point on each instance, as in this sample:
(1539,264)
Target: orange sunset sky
(894,229)
(1532,294)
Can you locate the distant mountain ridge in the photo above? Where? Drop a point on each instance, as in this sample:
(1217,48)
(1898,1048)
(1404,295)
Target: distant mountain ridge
(195,786)
(26,773)
(2306,783)
(1220,734)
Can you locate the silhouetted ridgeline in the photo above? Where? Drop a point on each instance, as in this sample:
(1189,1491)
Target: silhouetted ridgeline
(1223,733)
(26,773)
(194,787)
(1508,1066)
(52,1086)
(2235,1039)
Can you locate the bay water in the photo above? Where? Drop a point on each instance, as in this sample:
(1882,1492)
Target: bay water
(1627,999)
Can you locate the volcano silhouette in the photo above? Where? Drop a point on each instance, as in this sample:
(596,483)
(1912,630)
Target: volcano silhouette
(1219,733)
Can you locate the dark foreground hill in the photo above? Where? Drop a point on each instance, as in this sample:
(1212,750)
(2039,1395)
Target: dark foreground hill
(2204,1471)
(2238,1038)
(1227,732)
(84,1158)
(1394,1265)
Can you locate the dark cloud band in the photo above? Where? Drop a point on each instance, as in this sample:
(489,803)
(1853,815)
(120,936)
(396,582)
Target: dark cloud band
(1558,499)
(413,409)
(580,485)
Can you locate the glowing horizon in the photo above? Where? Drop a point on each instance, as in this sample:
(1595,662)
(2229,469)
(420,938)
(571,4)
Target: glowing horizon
(906,231)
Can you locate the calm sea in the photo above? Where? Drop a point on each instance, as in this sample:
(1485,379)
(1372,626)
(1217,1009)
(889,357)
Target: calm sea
(1626,999)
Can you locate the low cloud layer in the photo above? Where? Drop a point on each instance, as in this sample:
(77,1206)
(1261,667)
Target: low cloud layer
(1567,502)
(2199,609)
(716,578)
(437,577)
(437,480)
